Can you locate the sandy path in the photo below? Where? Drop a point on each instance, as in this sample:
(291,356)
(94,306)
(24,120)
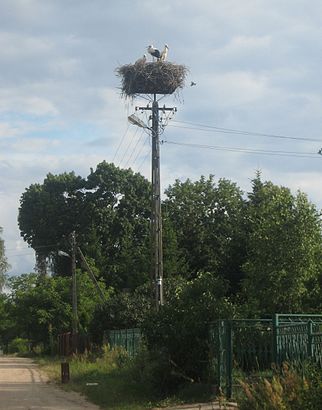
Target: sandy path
(24,387)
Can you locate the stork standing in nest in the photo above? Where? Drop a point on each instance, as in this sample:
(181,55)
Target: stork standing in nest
(154,52)
(164,53)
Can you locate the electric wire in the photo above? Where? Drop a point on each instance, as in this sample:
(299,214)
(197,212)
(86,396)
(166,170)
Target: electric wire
(212,128)
(121,141)
(20,254)
(128,147)
(140,150)
(135,147)
(35,248)
(295,154)
(144,158)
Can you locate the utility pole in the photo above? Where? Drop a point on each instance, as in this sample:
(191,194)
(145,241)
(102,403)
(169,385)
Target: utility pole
(156,218)
(74,283)
(156,206)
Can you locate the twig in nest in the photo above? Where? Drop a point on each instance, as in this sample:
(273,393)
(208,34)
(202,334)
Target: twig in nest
(151,78)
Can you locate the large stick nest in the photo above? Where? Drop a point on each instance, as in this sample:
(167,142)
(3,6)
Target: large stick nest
(151,78)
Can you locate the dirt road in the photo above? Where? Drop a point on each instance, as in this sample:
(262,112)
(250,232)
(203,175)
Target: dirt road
(24,387)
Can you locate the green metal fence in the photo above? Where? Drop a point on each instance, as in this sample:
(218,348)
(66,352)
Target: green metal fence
(253,345)
(129,339)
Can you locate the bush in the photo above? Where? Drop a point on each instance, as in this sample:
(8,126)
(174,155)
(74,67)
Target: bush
(152,368)
(19,345)
(178,334)
(114,358)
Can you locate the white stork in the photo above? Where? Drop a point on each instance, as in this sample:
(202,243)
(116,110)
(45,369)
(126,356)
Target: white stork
(154,52)
(141,60)
(164,53)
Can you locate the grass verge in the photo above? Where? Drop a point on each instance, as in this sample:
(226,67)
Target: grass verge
(115,389)
(113,382)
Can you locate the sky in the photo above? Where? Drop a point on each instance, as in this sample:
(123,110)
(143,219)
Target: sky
(256,65)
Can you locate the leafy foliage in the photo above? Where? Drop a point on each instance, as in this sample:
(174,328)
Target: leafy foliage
(121,310)
(283,249)
(39,305)
(180,329)
(109,210)
(208,221)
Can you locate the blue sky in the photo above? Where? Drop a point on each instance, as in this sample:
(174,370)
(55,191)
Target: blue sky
(257,65)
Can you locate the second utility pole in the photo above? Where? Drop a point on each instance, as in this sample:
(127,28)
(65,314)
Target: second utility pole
(74,284)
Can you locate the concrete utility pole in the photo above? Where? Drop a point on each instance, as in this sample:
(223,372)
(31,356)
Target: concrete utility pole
(156,219)
(156,206)
(74,283)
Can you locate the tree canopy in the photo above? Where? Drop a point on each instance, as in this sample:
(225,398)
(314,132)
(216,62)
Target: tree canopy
(261,243)
(283,249)
(207,218)
(109,210)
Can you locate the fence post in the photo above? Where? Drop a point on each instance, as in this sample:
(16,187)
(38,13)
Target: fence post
(220,362)
(229,358)
(275,346)
(310,352)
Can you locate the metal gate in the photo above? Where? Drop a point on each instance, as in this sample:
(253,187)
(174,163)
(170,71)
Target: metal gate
(254,345)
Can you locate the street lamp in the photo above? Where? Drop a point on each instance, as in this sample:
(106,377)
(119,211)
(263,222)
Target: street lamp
(133,119)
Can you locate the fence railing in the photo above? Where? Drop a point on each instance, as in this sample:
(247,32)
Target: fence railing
(69,343)
(128,339)
(255,344)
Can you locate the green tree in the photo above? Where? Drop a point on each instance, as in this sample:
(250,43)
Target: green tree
(49,212)
(7,324)
(110,212)
(39,303)
(283,249)
(120,229)
(207,218)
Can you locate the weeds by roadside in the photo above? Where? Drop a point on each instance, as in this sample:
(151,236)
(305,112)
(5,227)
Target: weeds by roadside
(289,389)
(115,381)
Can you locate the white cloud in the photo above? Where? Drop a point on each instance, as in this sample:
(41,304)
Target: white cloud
(18,100)
(237,87)
(8,130)
(15,47)
(256,64)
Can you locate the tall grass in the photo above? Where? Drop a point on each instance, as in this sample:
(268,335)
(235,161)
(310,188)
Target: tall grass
(114,381)
(107,381)
(289,389)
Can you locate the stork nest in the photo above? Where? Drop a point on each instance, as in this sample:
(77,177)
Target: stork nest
(151,78)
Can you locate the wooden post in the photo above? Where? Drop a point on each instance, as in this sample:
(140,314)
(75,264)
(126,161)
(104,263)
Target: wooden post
(74,285)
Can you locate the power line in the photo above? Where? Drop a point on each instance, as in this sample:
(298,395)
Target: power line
(143,160)
(121,141)
(128,147)
(140,150)
(135,147)
(20,255)
(212,128)
(33,248)
(250,150)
